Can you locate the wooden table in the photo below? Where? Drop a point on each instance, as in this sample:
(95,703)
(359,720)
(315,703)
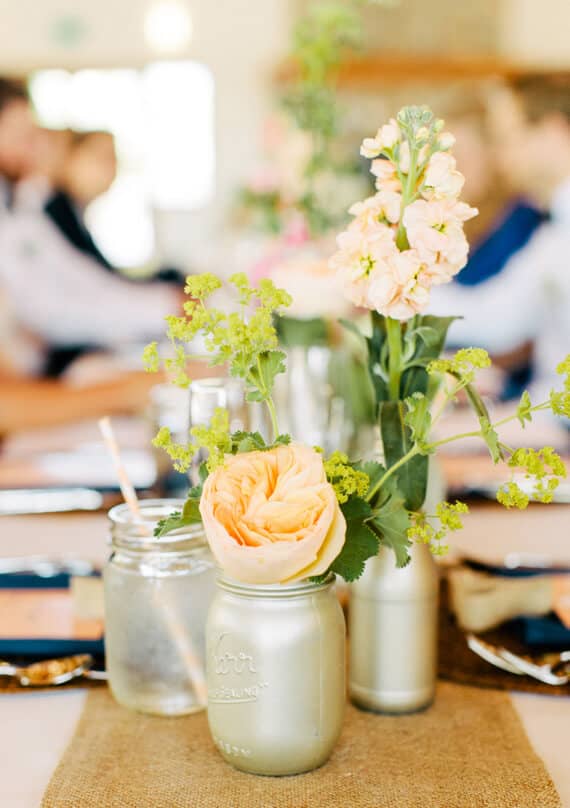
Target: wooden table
(37,727)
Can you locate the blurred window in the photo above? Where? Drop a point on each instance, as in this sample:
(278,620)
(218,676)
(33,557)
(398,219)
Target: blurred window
(162,118)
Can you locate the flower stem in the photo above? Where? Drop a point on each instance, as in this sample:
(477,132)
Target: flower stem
(404,459)
(479,433)
(394,333)
(273,415)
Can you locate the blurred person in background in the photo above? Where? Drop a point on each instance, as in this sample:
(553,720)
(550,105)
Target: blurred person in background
(17,139)
(529,300)
(85,167)
(28,403)
(54,291)
(87,170)
(506,219)
(505,224)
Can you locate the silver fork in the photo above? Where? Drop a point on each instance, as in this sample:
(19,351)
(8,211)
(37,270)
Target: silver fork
(52,671)
(542,669)
(551,669)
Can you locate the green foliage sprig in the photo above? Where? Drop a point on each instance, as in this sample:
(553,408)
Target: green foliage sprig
(542,469)
(323,38)
(245,340)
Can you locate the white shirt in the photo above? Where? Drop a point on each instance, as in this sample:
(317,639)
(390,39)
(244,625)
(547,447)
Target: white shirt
(64,297)
(528,300)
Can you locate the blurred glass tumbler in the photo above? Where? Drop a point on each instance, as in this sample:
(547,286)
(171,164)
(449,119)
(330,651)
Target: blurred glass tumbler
(157,595)
(168,406)
(393,618)
(276,675)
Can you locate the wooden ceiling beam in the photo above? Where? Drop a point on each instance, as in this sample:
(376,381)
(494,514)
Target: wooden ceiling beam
(376,70)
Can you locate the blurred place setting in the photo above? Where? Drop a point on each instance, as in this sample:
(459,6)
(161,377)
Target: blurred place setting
(285,403)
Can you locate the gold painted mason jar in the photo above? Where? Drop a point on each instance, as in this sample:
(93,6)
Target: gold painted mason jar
(157,595)
(276,675)
(393,620)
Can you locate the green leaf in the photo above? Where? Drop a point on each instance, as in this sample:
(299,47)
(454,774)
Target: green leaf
(428,334)
(172,522)
(391,521)
(254,442)
(524,409)
(360,542)
(356,509)
(397,440)
(203,472)
(375,471)
(491,438)
(189,515)
(293,332)
(191,511)
(270,363)
(349,378)
(433,333)
(349,325)
(418,417)
(376,344)
(247,442)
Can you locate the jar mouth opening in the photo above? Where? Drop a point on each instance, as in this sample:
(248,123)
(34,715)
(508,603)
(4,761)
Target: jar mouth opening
(152,510)
(139,535)
(296,588)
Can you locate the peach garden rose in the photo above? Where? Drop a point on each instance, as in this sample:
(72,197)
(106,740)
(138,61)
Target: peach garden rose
(271,516)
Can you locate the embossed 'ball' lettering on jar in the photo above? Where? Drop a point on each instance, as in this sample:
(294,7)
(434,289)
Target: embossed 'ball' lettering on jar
(276,675)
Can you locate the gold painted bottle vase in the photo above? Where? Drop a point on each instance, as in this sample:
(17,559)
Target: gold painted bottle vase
(157,594)
(393,619)
(276,675)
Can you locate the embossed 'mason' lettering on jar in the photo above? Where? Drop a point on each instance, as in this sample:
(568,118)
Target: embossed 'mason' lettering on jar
(276,675)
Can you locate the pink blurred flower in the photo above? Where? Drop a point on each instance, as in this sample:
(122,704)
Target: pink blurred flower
(296,232)
(317,290)
(265,180)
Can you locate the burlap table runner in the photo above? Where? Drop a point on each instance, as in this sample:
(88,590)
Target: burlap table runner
(468,751)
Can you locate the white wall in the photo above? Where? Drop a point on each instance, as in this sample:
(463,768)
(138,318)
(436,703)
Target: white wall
(240,40)
(536,32)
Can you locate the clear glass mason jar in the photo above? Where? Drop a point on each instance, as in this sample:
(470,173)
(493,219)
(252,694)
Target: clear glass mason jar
(157,595)
(393,621)
(276,675)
